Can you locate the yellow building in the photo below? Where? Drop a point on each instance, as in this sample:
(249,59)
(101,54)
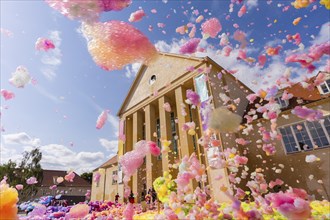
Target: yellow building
(107,187)
(143,117)
(166,80)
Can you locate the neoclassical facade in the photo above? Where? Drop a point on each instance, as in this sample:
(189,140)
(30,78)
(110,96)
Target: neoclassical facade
(143,116)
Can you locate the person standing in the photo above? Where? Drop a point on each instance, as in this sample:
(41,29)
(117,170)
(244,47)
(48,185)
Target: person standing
(148,197)
(117,198)
(154,195)
(131,198)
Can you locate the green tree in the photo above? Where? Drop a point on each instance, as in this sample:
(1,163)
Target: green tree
(87,176)
(9,170)
(18,174)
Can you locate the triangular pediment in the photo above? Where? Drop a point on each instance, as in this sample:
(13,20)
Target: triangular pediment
(161,72)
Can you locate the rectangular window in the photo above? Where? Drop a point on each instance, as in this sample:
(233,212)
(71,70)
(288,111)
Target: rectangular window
(173,130)
(201,87)
(192,119)
(302,136)
(114,177)
(288,140)
(306,135)
(326,124)
(120,174)
(144,131)
(324,88)
(158,136)
(281,102)
(318,134)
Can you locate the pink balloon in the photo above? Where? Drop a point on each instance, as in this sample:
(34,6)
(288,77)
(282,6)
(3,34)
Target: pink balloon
(87,10)
(242,11)
(192,98)
(115,5)
(211,27)
(286,95)
(53,187)
(19,186)
(276,182)
(290,204)
(269,149)
(262,60)
(272,51)
(224,40)
(307,113)
(115,44)
(227,50)
(251,97)
(79,211)
(102,119)
(153,148)
(97,177)
(182,29)
(7,94)
(69,177)
(190,46)
(241,55)
(137,16)
(240,37)
(295,37)
(32,180)
(44,44)
(129,211)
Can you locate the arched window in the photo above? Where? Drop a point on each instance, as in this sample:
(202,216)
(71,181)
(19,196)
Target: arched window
(152,79)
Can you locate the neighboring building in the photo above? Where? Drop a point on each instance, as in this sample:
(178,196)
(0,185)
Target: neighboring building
(75,190)
(106,188)
(143,117)
(299,139)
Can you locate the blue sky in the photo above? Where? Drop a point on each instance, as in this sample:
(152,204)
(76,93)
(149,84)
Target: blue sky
(59,113)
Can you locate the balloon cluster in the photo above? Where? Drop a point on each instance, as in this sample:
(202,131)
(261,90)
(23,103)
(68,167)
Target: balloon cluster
(87,10)
(114,44)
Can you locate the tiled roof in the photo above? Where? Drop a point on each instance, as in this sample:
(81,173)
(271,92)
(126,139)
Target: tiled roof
(308,96)
(49,175)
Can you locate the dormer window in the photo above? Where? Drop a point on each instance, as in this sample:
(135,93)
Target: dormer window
(324,88)
(281,102)
(152,79)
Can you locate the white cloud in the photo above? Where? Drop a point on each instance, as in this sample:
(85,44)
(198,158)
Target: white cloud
(20,138)
(324,34)
(48,72)
(59,157)
(173,47)
(111,146)
(131,70)
(45,93)
(251,4)
(114,122)
(52,58)
(54,156)
(8,153)
(274,43)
